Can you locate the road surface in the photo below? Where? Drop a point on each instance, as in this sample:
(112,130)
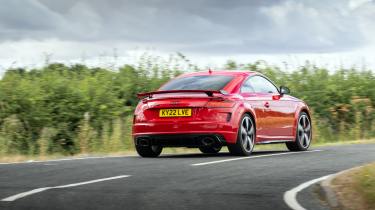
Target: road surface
(191,181)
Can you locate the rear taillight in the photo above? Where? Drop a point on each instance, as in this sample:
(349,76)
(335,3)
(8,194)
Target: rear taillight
(140,117)
(220,104)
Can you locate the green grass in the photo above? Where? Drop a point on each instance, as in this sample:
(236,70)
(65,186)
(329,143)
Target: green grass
(366,183)
(131,151)
(363,141)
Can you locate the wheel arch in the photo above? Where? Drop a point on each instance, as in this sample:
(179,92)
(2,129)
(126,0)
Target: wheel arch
(247,109)
(302,107)
(251,116)
(307,111)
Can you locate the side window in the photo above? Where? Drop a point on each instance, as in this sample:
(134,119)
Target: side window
(246,87)
(258,84)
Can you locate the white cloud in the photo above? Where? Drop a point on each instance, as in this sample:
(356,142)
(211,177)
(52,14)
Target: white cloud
(354,4)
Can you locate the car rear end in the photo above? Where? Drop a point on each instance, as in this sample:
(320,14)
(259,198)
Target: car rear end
(190,111)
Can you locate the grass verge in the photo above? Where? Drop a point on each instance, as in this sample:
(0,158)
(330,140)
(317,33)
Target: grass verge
(22,158)
(355,189)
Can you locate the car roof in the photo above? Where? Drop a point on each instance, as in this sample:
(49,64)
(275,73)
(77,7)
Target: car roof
(221,72)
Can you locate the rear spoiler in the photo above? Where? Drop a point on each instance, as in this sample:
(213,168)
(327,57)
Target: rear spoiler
(208,92)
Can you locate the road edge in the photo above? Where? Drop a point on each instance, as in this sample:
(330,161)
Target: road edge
(290,196)
(325,190)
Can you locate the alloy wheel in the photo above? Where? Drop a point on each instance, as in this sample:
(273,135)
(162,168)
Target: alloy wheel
(304,131)
(247,134)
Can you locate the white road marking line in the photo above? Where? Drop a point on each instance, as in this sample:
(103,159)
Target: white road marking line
(66,159)
(251,157)
(290,196)
(38,190)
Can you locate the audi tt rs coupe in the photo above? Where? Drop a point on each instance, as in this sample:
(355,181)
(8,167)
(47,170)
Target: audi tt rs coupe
(209,110)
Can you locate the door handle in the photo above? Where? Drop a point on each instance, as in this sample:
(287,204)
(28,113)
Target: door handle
(267,105)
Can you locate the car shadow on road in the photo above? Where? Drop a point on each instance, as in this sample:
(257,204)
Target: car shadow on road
(221,154)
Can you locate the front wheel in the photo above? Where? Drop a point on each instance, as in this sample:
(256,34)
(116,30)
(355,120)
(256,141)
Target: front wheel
(303,134)
(149,151)
(245,138)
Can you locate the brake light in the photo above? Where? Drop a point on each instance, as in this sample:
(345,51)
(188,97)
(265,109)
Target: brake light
(220,104)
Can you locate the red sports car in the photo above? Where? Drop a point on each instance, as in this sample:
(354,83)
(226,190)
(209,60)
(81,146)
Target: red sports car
(208,110)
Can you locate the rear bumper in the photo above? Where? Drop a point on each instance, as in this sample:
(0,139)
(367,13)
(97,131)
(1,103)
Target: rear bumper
(180,140)
(184,133)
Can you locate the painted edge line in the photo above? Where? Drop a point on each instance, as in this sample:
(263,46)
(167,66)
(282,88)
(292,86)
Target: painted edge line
(66,159)
(38,190)
(290,196)
(252,157)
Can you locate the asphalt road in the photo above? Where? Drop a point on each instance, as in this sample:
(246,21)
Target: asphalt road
(174,182)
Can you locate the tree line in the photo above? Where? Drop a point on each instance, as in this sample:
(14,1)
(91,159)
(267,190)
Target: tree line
(70,109)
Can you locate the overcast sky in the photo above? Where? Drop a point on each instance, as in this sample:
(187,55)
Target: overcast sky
(208,31)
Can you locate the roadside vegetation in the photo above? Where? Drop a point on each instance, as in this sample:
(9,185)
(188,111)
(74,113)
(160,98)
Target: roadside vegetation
(355,189)
(75,109)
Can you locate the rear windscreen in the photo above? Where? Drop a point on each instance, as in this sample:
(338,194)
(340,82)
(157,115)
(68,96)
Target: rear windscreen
(206,82)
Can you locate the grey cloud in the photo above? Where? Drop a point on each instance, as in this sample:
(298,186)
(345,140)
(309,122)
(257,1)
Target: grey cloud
(20,18)
(205,26)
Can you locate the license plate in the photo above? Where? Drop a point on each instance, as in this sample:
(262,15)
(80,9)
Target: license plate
(175,113)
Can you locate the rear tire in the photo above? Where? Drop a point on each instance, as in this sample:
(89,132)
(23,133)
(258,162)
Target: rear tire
(149,151)
(245,138)
(303,134)
(210,150)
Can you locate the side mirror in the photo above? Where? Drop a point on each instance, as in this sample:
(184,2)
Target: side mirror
(284,90)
